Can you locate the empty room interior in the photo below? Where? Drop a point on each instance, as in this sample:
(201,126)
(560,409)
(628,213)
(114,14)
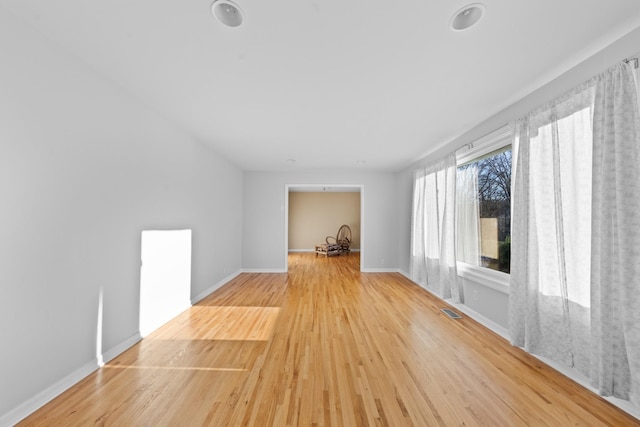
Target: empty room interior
(174,178)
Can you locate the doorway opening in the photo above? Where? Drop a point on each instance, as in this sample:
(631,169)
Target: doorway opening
(165,277)
(313,212)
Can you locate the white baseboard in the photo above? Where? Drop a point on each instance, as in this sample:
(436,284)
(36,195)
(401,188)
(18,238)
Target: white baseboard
(117,350)
(264,270)
(578,377)
(484,321)
(31,405)
(45,396)
(380,270)
(209,291)
(405,274)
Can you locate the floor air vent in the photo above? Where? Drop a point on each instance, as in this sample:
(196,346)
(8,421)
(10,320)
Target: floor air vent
(452,314)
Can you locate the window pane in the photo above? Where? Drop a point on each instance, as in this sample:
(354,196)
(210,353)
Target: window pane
(484,211)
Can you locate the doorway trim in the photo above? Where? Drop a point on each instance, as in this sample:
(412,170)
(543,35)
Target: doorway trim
(318,187)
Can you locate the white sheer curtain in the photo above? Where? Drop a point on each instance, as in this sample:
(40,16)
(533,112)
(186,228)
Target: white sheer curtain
(550,231)
(433,252)
(467,215)
(615,244)
(569,264)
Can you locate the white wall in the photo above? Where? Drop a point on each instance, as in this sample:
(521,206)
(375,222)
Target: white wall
(490,303)
(84,169)
(263,244)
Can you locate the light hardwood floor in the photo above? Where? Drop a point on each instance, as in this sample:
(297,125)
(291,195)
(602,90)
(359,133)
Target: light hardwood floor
(325,345)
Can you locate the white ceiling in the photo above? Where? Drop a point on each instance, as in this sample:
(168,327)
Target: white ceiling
(373,85)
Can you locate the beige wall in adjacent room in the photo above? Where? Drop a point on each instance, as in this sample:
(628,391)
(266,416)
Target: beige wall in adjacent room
(313,216)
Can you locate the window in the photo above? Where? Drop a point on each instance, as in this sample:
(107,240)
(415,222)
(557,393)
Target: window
(483,206)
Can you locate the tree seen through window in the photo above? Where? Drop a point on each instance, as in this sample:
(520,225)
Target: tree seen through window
(484,219)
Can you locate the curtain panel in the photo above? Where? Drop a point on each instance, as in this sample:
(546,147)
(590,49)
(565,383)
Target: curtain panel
(433,251)
(575,260)
(615,240)
(468,215)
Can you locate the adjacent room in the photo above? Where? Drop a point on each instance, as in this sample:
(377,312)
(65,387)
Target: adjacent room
(170,172)
(324,219)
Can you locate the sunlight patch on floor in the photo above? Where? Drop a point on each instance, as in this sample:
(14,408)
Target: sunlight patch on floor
(231,323)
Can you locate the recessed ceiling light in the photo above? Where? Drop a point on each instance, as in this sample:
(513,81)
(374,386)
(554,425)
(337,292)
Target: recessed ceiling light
(467,16)
(227,12)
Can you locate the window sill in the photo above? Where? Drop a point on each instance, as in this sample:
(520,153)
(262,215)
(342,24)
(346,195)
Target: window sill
(496,280)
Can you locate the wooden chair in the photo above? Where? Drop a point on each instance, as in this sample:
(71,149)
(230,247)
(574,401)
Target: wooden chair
(340,244)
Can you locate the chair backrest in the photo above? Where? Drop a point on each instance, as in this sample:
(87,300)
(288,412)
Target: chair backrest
(343,238)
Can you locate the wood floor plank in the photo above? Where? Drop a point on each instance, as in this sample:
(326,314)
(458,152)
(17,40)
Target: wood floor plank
(325,345)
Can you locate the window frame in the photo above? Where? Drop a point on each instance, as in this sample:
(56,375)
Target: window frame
(489,143)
